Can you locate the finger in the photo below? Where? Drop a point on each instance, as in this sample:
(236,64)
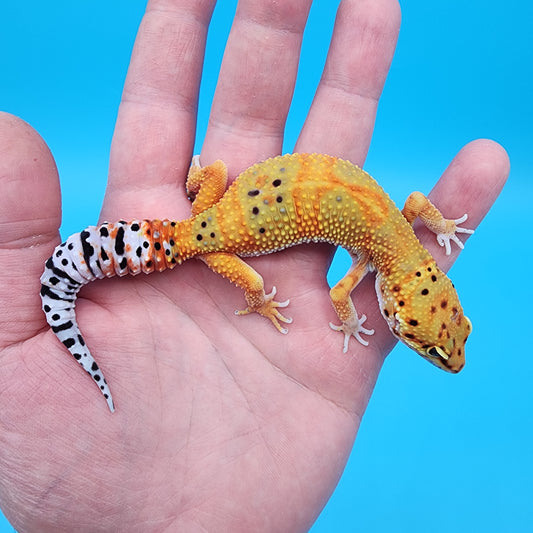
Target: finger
(154,134)
(256,83)
(341,119)
(30,214)
(470,184)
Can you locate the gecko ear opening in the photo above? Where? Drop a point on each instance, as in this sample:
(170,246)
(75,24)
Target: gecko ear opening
(436,351)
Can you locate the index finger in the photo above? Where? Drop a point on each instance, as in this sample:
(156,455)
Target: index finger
(154,134)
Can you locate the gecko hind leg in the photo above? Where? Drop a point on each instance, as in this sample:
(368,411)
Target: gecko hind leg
(269,309)
(245,277)
(352,324)
(205,185)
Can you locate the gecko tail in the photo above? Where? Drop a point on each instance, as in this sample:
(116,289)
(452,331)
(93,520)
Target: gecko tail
(58,295)
(118,249)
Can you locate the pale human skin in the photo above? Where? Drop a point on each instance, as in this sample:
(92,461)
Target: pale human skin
(222,424)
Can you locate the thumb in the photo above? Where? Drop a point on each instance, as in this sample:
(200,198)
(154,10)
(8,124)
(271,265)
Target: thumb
(30,215)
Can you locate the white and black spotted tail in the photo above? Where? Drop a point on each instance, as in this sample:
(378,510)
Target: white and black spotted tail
(95,253)
(59,289)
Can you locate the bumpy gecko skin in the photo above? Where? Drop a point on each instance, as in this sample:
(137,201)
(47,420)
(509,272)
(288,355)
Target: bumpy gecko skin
(281,202)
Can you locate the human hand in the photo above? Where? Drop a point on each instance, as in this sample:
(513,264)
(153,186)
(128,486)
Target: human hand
(221,423)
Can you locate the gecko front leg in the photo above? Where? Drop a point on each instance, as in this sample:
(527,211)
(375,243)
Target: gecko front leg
(352,324)
(245,277)
(418,205)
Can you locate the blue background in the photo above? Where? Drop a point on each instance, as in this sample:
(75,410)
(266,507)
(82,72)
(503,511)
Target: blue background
(434,452)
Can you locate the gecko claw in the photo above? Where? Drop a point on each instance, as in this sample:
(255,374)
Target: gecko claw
(269,309)
(445,238)
(195,161)
(354,328)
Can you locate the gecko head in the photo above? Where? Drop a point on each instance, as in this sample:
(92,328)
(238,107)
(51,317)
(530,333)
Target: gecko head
(423,311)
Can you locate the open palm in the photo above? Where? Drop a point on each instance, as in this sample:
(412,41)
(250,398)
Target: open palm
(222,424)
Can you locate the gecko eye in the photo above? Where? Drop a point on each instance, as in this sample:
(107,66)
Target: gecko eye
(435,351)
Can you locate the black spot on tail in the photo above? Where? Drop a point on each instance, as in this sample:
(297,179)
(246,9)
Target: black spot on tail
(88,250)
(47,291)
(60,273)
(69,343)
(119,241)
(62,327)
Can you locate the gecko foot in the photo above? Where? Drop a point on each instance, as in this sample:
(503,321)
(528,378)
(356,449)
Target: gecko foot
(452,227)
(353,327)
(269,309)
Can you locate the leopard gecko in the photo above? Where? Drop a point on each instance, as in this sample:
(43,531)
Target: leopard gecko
(281,202)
